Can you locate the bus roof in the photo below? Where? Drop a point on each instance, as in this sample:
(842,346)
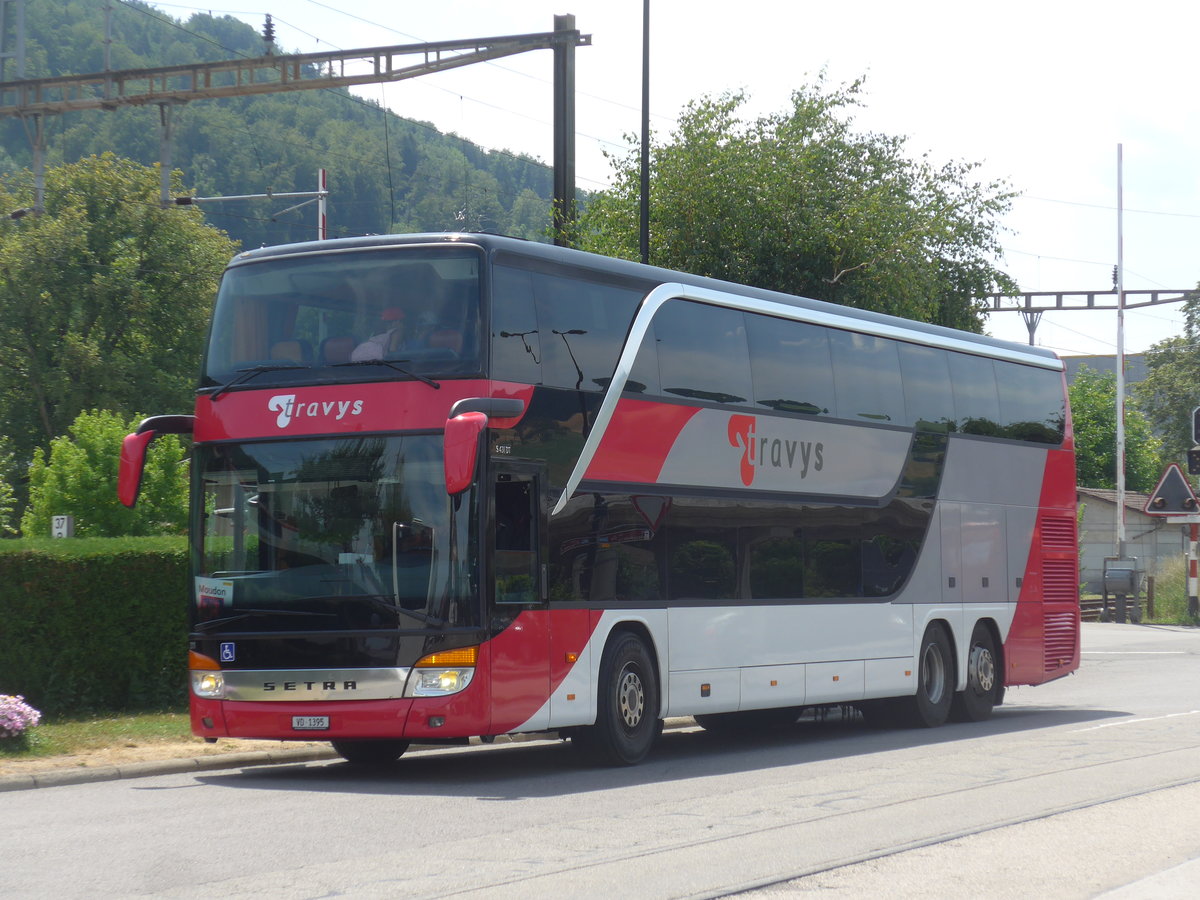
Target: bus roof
(611,266)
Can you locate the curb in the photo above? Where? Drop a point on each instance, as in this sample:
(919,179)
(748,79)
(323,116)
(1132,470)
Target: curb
(86,775)
(80,775)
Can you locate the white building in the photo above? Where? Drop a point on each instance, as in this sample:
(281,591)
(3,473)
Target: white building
(1151,539)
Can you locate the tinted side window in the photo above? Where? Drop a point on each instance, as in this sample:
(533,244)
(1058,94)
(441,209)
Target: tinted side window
(1031,403)
(777,568)
(976,403)
(703,564)
(791,366)
(582,326)
(927,398)
(866,375)
(643,379)
(516,348)
(702,352)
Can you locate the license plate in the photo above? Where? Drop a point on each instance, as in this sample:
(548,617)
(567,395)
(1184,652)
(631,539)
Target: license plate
(310,723)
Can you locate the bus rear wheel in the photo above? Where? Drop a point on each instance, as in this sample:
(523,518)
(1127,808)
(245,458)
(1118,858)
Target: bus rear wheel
(976,701)
(627,723)
(371,752)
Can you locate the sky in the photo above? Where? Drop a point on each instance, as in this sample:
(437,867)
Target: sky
(1040,94)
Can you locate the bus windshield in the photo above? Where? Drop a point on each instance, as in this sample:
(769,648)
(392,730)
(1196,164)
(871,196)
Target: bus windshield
(347,316)
(350,533)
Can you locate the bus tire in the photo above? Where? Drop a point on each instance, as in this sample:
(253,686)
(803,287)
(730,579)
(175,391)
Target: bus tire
(930,706)
(975,702)
(370,752)
(627,723)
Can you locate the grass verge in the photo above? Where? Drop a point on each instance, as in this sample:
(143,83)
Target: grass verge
(1170,594)
(71,736)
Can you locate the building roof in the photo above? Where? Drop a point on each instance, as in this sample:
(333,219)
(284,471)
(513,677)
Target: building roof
(1133,499)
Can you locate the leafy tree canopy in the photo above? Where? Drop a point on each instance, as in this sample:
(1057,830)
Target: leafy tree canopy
(1094,413)
(79,478)
(104,298)
(800,202)
(1171,389)
(8,500)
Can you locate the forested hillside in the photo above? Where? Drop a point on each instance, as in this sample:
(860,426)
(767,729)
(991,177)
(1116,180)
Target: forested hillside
(385,173)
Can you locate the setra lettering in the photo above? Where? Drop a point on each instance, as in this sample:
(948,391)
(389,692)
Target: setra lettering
(309,686)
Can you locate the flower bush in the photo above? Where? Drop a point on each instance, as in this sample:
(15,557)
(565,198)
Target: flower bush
(16,716)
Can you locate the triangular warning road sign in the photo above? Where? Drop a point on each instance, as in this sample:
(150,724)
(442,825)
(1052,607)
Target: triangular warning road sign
(1173,496)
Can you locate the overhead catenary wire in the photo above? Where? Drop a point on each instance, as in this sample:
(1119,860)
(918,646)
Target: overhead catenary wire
(601,142)
(344,94)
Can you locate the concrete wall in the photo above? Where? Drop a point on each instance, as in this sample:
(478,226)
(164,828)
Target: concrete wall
(1149,538)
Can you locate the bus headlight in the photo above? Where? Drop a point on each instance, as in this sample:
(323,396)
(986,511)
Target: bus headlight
(441,674)
(209,685)
(437,682)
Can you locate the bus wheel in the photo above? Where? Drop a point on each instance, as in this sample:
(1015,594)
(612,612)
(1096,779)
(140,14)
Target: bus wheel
(930,707)
(370,753)
(975,703)
(627,722)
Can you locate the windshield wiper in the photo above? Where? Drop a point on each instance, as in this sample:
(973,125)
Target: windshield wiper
(252,372)
(392,364)
(256,613)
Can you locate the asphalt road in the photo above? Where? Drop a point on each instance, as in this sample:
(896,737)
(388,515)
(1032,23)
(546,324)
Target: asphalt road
(1079,788)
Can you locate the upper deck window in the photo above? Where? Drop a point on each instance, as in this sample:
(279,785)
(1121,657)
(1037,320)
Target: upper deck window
(558,327)
(328,316)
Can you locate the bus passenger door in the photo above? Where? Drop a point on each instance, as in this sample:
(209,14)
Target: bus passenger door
(520,661)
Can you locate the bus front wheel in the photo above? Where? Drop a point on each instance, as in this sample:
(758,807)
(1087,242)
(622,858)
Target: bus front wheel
(930,706)
(627,723)
(370,753)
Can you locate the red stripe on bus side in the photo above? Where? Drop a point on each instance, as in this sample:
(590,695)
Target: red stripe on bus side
(341,408)
(1043,640)
(638,441)
(528,661)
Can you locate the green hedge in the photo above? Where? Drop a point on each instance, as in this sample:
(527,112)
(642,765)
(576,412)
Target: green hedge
(94,625)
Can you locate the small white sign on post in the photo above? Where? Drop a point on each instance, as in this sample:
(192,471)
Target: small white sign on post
(62,526)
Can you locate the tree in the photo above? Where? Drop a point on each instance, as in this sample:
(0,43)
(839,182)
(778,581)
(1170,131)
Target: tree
(104,298)
(8,500)
(801,203)
(1094,414)
(79,478)
(1171,389)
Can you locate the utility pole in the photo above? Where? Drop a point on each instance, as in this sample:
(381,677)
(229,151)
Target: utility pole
(1120,354)
(644,212)
(564,131)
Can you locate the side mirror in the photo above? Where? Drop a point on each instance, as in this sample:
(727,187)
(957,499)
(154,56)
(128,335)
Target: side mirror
(133,452)
(461,445)
(468,419)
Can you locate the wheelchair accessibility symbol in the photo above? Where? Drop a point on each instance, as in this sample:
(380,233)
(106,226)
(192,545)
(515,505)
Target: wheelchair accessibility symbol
(227,654)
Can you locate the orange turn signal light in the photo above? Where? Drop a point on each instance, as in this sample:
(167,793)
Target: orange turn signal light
(201,662)
(463,656)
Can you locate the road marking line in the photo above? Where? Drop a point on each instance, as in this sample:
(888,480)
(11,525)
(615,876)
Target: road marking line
(1137,721)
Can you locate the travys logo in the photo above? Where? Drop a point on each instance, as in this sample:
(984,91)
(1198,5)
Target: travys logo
(290,409)
(763,450)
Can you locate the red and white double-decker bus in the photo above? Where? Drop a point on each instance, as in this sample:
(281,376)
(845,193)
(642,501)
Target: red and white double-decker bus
(447,486)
